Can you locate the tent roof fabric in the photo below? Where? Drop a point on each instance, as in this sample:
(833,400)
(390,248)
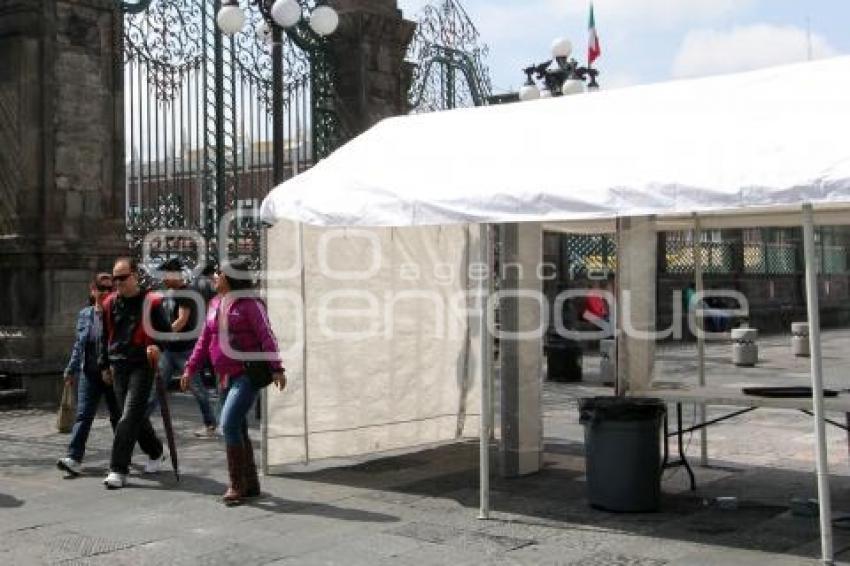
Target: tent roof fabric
(773,139)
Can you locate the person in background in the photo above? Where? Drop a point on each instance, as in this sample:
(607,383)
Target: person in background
(128,356)
(689,295)
(239,324)
(595,304)
(82,369)
(203,283)
(717,316)
(689,303)
(183,313)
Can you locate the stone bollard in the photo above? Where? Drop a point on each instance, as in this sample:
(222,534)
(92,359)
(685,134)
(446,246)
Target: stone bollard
(745,351)
(607,360)
(800,338)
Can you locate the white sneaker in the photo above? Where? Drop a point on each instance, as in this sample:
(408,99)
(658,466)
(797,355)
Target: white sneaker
(153,466)
(69,465)
(206,432)
(114,480)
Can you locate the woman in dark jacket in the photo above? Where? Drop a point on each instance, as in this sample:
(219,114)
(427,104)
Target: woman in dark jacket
(236,324)
(82,369)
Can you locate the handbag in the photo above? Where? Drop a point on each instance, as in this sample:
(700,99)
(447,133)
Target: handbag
(259,374)
(258,371)
(65,417)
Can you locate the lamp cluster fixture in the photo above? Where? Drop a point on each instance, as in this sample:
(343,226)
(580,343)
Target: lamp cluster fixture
(323,19)
(558,76)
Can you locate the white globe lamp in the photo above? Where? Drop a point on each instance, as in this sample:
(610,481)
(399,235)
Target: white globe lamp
(572,86)
(561,48)
(230,18)
(286,13)
(324,20)
(529,92)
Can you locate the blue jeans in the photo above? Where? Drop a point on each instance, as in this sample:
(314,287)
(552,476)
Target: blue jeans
(171,364)
(89,391)
(238,399)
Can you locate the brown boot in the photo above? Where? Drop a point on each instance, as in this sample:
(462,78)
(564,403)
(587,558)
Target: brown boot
(250,479)
(235,467)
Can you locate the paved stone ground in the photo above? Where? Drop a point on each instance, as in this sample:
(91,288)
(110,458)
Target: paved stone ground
(418,508)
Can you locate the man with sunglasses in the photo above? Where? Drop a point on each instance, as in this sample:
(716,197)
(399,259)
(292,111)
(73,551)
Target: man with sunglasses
(83,370)
(128,359)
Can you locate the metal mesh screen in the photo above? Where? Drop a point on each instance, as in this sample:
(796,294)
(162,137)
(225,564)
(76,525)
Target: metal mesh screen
(716,257)
(753,254)
(585,253)
(833,259)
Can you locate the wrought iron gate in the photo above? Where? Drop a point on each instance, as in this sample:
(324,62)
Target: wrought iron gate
(451,70)
(199,124)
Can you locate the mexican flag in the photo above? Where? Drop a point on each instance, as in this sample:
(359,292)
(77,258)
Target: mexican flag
(593,48)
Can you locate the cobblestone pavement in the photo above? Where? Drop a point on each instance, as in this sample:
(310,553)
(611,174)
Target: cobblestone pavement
(418,508)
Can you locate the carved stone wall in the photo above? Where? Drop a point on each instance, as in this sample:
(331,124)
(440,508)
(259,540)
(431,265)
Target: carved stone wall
(61,175)
(369,48)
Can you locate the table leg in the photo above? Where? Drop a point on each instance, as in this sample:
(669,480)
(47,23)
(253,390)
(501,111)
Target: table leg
(847,421)
(679,439)
(666,445)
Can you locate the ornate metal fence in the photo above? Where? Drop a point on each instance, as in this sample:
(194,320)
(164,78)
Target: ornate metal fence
(199,123)
(450,62)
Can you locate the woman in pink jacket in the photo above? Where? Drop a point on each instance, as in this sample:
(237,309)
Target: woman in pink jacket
(236,329)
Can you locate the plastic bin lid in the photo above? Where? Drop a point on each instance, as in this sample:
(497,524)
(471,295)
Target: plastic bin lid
(609,408)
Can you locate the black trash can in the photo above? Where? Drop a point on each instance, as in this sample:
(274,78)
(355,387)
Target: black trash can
(622,439)
(563,359)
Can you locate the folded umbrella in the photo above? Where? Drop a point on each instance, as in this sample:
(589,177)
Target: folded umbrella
(162,395)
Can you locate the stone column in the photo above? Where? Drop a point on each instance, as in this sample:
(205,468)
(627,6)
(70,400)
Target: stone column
(523,321)
(369,49)
(636,280)
(61,175)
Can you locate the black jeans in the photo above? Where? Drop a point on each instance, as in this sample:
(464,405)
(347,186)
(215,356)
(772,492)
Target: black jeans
(132,388)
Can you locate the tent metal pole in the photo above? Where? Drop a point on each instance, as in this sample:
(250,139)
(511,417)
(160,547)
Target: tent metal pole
(825,504)
(264,397)
(486,372)
(305,404)
(700,287)
(620,345)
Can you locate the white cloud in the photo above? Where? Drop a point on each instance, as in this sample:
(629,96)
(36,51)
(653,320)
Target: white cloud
(496,20)
(411,8)
(512,19)
(652,13)
(505,23)
(706,52)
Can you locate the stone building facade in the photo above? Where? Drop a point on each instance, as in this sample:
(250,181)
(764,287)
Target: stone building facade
(60,213)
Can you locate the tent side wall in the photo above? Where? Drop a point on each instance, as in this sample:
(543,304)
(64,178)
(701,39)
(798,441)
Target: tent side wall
(379,341)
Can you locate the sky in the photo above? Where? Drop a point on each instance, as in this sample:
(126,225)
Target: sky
(646,41)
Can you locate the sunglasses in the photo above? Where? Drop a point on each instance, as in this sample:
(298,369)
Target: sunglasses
(120,278)
(104,288)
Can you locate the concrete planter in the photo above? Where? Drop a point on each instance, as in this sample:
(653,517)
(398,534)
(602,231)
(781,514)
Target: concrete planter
(744,348)
(800,338)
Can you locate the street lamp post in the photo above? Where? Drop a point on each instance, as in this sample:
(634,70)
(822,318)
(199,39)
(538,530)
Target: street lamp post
(278,16)
(559,76)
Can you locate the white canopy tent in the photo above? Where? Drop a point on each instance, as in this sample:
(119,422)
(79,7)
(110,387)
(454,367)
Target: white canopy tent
(760,148)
